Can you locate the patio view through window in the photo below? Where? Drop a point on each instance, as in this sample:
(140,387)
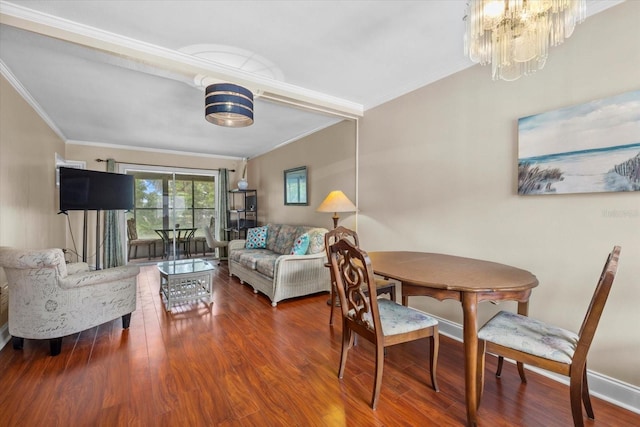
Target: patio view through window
(162,202)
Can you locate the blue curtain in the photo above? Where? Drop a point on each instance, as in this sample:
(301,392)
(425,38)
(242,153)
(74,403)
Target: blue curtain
(113,253)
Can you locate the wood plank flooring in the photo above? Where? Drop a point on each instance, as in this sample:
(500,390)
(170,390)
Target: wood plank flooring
(241,362)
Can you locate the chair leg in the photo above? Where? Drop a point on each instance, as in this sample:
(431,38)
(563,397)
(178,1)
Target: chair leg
(377,382)
(482,347)
(18,343)
(520,365)
(523,378)
(55,346)
(332,299)
(346,345)
(575,395)
(586,399)
(499,368)
(126,321)
(434,347)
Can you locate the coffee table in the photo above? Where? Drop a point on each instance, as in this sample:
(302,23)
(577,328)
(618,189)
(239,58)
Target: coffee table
(185,280)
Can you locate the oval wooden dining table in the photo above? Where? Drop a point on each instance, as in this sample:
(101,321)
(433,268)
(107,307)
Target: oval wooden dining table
(467,280)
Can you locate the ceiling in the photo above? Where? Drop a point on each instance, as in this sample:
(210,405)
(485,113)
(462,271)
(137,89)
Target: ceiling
(123,73)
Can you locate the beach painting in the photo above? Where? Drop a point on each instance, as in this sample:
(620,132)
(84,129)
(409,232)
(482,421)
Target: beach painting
(587,148)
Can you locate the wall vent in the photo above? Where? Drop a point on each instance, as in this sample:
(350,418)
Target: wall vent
(61,162)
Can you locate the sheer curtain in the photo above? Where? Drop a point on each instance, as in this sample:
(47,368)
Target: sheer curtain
(113,252)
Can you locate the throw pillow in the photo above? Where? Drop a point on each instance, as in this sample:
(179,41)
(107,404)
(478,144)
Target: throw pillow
(316,240)
(256,238)
(301,245)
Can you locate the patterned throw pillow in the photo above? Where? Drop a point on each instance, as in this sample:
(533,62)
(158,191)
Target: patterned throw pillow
(257,238)
(301,245)
(316,240)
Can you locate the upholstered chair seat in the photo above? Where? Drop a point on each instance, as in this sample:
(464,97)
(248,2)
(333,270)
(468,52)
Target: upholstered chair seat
(532,336)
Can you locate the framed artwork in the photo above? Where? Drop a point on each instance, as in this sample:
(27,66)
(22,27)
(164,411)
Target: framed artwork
(295,186)
(586,148)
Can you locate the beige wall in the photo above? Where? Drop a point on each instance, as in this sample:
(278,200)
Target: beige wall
(438,172)
(452,147)
(28,193)
(329,156)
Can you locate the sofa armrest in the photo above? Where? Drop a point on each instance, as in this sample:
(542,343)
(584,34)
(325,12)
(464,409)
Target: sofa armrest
(77,267)
(89,278)
(294,258)
(236,244)
(285,264)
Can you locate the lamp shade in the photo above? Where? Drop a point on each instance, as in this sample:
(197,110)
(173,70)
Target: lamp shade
(336,201)
(229,105)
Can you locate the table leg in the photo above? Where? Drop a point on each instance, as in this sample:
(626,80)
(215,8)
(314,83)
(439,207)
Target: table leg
(470,338)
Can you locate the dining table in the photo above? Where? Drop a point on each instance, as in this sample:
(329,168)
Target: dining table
(182,235)
(467,280)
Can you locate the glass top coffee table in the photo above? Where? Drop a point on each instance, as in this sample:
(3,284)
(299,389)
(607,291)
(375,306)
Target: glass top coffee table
(185,280)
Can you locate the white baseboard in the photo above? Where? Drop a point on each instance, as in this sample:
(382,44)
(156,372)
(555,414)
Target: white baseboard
(614,391)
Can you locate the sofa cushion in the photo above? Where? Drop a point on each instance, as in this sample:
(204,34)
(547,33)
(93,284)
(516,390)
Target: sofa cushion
(301,245)
(287,237)
(266,263)
(272,235)
(246,257)
(257,238)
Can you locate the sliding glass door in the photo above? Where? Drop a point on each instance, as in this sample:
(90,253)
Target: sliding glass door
(174,205)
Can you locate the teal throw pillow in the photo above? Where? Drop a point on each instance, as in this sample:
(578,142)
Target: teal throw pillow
(301,245)
(256,238)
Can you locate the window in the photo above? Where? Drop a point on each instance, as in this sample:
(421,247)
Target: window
(164,202)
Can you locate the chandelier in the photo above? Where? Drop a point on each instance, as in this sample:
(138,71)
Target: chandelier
(514,36)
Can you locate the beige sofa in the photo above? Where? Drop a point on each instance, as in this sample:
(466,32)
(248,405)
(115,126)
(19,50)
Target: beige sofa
(277,274)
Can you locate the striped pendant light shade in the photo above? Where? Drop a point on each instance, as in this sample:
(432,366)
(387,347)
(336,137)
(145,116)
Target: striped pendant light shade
(229,105)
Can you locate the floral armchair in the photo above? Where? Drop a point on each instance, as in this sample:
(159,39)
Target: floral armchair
(49,299)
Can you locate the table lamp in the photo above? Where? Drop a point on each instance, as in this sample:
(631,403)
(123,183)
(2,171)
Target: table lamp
(336,202)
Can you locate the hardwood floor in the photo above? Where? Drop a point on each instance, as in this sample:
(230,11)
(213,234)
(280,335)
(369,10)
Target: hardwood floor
(243,363)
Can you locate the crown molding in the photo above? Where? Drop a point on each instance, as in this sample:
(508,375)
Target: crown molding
(22,91)
(597,6)
(149,150)
(174,61)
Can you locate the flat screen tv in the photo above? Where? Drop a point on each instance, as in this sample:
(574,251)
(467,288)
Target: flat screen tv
(82,189)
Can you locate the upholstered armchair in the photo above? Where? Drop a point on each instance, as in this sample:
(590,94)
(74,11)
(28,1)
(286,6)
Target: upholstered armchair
(49,299)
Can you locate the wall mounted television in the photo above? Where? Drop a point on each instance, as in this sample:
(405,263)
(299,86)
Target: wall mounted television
(82,189)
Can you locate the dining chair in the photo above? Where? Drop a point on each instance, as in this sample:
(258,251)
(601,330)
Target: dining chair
(212,242)
(381,321)
(133,241)
(202,240)
(549,347)
(184,239)
(383,286)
